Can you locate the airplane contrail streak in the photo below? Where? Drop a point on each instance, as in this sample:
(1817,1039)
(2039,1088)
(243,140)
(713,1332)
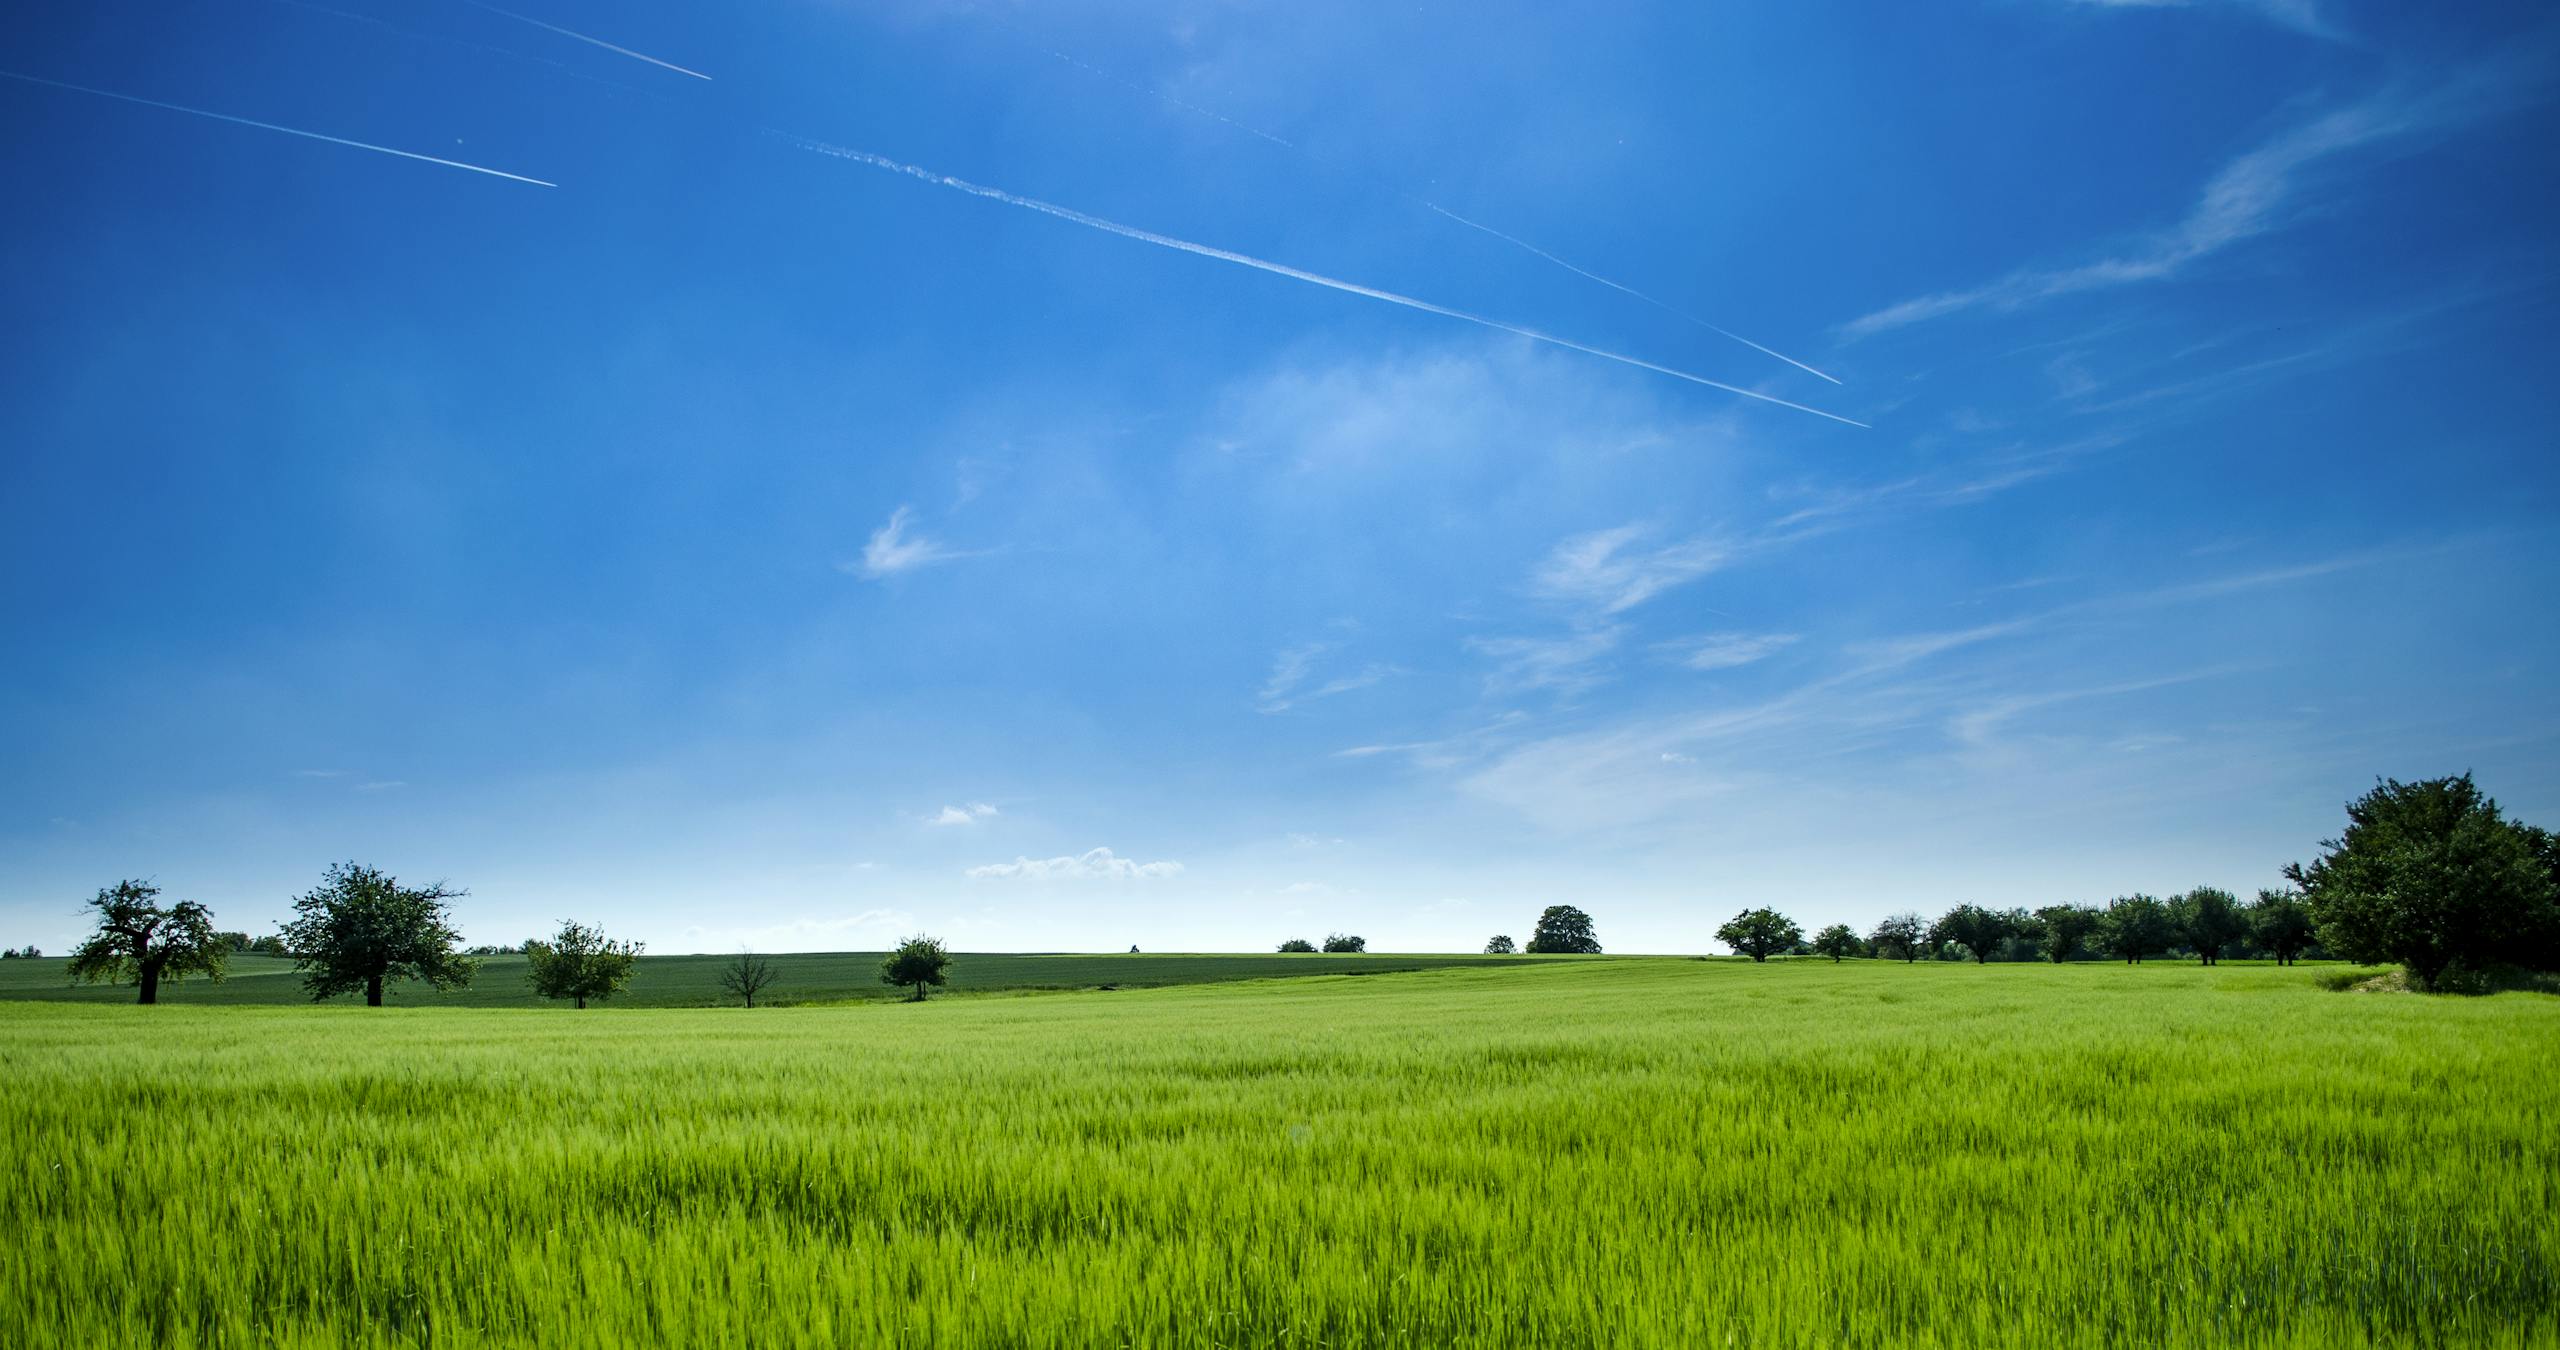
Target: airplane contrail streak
(594,42)
(1280,269)
(1512,239)
(270,126)
(1580,271)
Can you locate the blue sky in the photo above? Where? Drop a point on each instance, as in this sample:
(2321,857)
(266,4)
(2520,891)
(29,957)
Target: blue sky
(737,543)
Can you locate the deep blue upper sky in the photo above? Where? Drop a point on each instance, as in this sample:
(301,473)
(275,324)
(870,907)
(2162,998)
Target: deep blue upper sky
(736,543)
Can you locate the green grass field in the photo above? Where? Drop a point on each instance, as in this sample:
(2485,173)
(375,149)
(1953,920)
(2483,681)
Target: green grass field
(1635,1152)
(801,977)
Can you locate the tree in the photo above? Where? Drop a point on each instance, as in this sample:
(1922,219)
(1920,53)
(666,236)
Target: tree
(746,975)
(2135,926)
(1758,933)
(2279,923)
(2061,929)
(2209,918)
(1564,931)
(1500,944)
(1297,945)
(362,929)
(139,942)
(270,945)
(1901,936)
(2430,875)
(1837,941)
(1977,930)
(25,953)
(918,961)
(579,963)
(1345,942)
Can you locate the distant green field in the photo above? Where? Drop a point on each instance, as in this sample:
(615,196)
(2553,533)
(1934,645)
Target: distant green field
(801,977)
(1617,1153)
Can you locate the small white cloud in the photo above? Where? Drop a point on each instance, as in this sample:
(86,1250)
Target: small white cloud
(1099,864)
(1675,757)
(1723,651)
(963,815)
(1604,570)
(893,550)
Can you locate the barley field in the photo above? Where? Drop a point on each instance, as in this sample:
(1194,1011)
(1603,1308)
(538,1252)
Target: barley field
(1636,1152)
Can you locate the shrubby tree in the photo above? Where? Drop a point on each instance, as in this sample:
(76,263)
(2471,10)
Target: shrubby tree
(2209,918)
(2430,875)
(1837,941)
(1564,931)
(746,975)
(1759,933)
(1902,936)
(25,953)
(1977,930)
(918,961)
(270,945)
(2135,926)
(2280,924)
(2061,929)
(579,963)
(362,929)
(1345,942)
(140,942)
(1297,945)
(1500,944)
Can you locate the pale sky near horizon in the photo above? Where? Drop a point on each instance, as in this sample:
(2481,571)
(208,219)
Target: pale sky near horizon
(1196,474)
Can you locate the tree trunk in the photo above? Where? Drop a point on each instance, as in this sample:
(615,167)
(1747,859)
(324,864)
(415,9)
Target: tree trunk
(150,983)
(580,1000)
(373,991)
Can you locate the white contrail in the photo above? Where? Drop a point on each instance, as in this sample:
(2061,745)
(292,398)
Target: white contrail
(1425,202)
(573,33)
(270,126)
(1617,286)
(1279,269)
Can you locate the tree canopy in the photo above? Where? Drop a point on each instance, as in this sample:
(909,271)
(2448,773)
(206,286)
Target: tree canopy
(918,961)
(1564,931)
(1901,936)
(1976,929)
(1837,941)
(138,941)
(579,963)
(1500,944)
(1345,942)
(1759,933)
(2279,923)
(1297,945)
(2061,929)
(2209,918)
(2136,926)
(746,975)
(362,929)
(2430,875)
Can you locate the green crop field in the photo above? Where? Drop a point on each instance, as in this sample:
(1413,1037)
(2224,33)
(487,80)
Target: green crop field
(800,977)
(1631,1152)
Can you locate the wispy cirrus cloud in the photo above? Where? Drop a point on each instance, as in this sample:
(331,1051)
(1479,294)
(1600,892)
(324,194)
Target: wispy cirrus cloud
(1612,570)
(894,548)
(1293,678)
(2303,16)
(1570,664)
(1724,651)
(1100,864)
(970,814)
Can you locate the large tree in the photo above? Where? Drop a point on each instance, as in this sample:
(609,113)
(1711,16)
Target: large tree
(1500,944)
(1566,931)
(2135,926)
(2061,929)
(1759,933)
(141,942)
(918,961)
(1837,941)
(579,963)
(362,929)
(1901,936)
(1345,942)
(2279,923)
(2209,918)
(1977,930)
(2430,875)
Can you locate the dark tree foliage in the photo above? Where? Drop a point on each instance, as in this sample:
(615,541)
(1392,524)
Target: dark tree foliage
(746,975)
(2209,919)
(2280,924)
(2430,875)
(1500,944)
(1837,941)
(2136,926)
(362,929)
(1564,931)
(2060,930)
(1903,937)
(579,963)
(25,953)
(1977,930)
(270,945)
(1759,933)
(1297,945)
(1345,942)
(141,942)
(918,961)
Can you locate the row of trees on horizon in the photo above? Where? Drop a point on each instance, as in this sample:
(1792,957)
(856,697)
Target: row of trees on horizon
(2428,875)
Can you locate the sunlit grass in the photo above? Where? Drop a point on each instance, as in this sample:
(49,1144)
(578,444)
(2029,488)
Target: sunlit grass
(1621,1153)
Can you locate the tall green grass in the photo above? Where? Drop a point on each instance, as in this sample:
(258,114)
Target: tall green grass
(1625,1153)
